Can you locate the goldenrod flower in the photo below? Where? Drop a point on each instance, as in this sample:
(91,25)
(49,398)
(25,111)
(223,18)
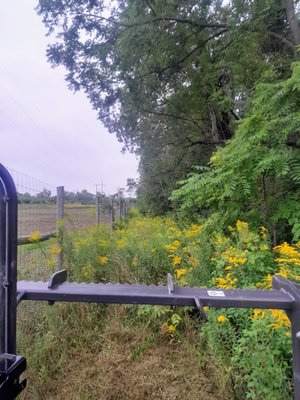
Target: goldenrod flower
(258,314)
(103,260)
(281,319)
(287,250)
(55,249)
(173,246)
(176,260)
(193,230)
(222,319)
(171,328)
(241,226)
(180,272)
(35,236)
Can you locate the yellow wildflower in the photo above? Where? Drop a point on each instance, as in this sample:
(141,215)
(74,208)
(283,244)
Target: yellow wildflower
(55,249)
(281,319)
(193,230)
(292,260)
(173,246)
(236,261)
(153,250)
(222,319)
(287,250)
(176,260)
(103,260)
(35,236)
(180,272)
(258,314)
(263,232)
(171,328)
(241,226)
(221,283)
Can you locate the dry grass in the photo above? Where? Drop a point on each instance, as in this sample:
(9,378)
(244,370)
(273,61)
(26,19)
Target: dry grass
(125,361)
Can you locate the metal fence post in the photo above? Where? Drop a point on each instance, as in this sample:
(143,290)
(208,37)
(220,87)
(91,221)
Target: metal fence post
(8,262)
(59,224)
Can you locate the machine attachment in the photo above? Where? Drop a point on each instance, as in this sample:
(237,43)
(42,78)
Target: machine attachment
(11,381)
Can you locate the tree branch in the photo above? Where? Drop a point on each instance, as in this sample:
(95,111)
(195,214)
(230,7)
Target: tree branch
(169,115)
(205,142)
(282,39)
(151,8)
(183,59)
(157,19)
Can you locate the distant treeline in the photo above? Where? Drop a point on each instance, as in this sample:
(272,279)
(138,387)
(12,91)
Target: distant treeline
(46,197)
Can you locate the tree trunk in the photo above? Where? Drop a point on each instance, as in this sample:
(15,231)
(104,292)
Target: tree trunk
(214,127)
(293,22)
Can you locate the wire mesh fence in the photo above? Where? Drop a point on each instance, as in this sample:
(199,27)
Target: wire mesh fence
(37,204)
(45,212)
(36,221)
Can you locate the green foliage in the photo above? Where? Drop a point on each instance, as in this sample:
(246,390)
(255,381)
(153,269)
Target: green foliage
(170,79)
(274,362)
(257,173)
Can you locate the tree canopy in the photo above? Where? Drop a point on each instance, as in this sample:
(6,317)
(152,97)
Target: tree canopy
(173,79)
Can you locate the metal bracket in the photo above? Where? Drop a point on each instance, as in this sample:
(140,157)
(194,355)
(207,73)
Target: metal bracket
(170,283)
(199,305)
(20,297)
(11,368)
(57,278)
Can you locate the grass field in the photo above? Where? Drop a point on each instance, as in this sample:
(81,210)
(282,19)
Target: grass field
(42,217)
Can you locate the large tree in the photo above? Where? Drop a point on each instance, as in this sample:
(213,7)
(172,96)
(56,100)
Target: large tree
(170,79)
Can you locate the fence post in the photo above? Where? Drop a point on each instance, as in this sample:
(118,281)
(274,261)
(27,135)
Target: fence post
(98,208)
(60,224)
(112,213)
(120,207)
(8,262)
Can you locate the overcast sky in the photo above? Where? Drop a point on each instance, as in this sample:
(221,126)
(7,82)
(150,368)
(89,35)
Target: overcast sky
(46,131)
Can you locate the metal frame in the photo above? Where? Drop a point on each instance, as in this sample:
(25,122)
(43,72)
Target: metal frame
(8,262)
(285,296)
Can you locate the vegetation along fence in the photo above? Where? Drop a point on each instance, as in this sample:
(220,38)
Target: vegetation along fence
(285,295)
(46,211)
